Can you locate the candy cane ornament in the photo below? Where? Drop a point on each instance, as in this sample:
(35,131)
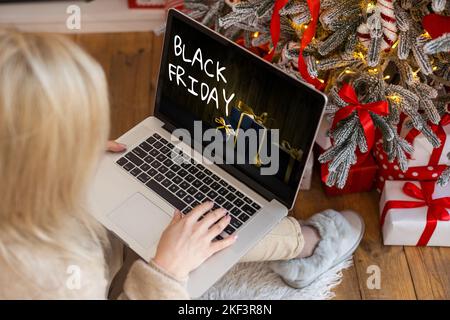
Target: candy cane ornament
(388,23)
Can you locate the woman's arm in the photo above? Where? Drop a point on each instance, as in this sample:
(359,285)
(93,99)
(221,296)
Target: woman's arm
(185,244)
(147,281)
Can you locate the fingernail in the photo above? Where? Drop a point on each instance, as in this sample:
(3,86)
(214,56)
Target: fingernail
(123,145)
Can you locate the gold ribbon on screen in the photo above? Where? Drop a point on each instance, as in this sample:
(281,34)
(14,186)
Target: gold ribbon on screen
(223,125)
(295,154)
(261,119)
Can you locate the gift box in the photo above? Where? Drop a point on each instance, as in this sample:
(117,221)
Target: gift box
(289,159)
(307,173)
(414,213)
(389,171)
(424,153)
(322,139)
(361,177)
(240,119)
(243,118)
(224,126)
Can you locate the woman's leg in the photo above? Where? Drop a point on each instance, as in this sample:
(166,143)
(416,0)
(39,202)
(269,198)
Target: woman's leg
(286,241)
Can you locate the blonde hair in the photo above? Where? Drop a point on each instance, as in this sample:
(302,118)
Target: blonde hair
(54,123)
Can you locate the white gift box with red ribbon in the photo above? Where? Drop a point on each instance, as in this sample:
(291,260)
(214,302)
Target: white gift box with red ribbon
(423,149)
(322,139)
(308,173)
(420,217)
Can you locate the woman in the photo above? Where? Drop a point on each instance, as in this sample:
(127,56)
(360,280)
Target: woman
(54,122)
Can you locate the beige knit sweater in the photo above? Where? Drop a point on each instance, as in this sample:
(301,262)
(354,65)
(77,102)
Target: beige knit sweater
(42,274)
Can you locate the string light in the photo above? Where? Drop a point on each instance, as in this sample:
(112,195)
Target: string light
(395,44)
(395,98)
(434,68)
(426,35)
(255,34)
(414,73)
(347,71)
(321,80)
(370,7)
(358,55)
(387,77)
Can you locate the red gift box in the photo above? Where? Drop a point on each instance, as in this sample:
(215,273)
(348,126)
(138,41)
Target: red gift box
(361,177)
(389,171)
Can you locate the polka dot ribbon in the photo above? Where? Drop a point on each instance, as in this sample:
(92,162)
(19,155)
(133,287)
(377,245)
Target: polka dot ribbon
(437,208)
(391,170)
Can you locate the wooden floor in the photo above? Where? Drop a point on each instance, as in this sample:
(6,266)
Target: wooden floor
(131,62)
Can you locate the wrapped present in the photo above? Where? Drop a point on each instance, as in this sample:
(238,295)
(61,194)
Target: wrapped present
(323,139)
(361,177)
(307,173)
(424,153)
(414,213)
(388,171)
(225,127)
(242,117)
(289,159)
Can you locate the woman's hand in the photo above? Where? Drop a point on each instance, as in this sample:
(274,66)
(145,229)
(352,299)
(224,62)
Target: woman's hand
(116,147)
(187,243)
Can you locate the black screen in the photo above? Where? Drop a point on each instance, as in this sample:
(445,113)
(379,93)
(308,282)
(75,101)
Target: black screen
(206,77)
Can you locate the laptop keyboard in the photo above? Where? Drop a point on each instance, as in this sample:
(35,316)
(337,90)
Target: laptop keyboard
(184,182)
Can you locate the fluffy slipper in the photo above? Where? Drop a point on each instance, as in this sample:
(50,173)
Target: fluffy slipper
(340,235)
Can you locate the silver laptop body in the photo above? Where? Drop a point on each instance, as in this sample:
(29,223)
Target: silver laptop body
(137,209)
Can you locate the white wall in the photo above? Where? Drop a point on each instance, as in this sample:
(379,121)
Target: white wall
(96,16)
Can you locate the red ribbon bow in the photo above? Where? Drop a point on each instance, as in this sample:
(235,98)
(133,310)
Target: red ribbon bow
(348,94)
(437,208)
(439,131)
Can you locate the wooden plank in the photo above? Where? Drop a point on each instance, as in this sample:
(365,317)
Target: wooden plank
(155,63)
(430,270)
(126,59)
(396,281)
(310,202)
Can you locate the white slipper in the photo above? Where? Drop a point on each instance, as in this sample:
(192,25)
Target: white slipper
(340,235)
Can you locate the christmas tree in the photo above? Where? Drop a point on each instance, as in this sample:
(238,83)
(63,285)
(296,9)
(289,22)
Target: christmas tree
(393,54)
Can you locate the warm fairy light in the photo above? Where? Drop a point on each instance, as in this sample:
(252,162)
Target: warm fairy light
(296,26)
(414,73)
(372,71)
(321,80)
(370,7)
(395,98)
(348,71)
(255,34)
(395,45)
(387,77)
(358,55)
(434,68)
(426,35)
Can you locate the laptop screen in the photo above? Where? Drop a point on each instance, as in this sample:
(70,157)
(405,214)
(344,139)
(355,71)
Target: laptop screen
(262,121)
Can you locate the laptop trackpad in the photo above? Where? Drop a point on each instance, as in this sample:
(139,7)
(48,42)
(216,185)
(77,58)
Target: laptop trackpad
(141,219)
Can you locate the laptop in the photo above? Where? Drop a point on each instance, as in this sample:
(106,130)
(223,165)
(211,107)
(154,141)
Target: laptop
(209,84)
